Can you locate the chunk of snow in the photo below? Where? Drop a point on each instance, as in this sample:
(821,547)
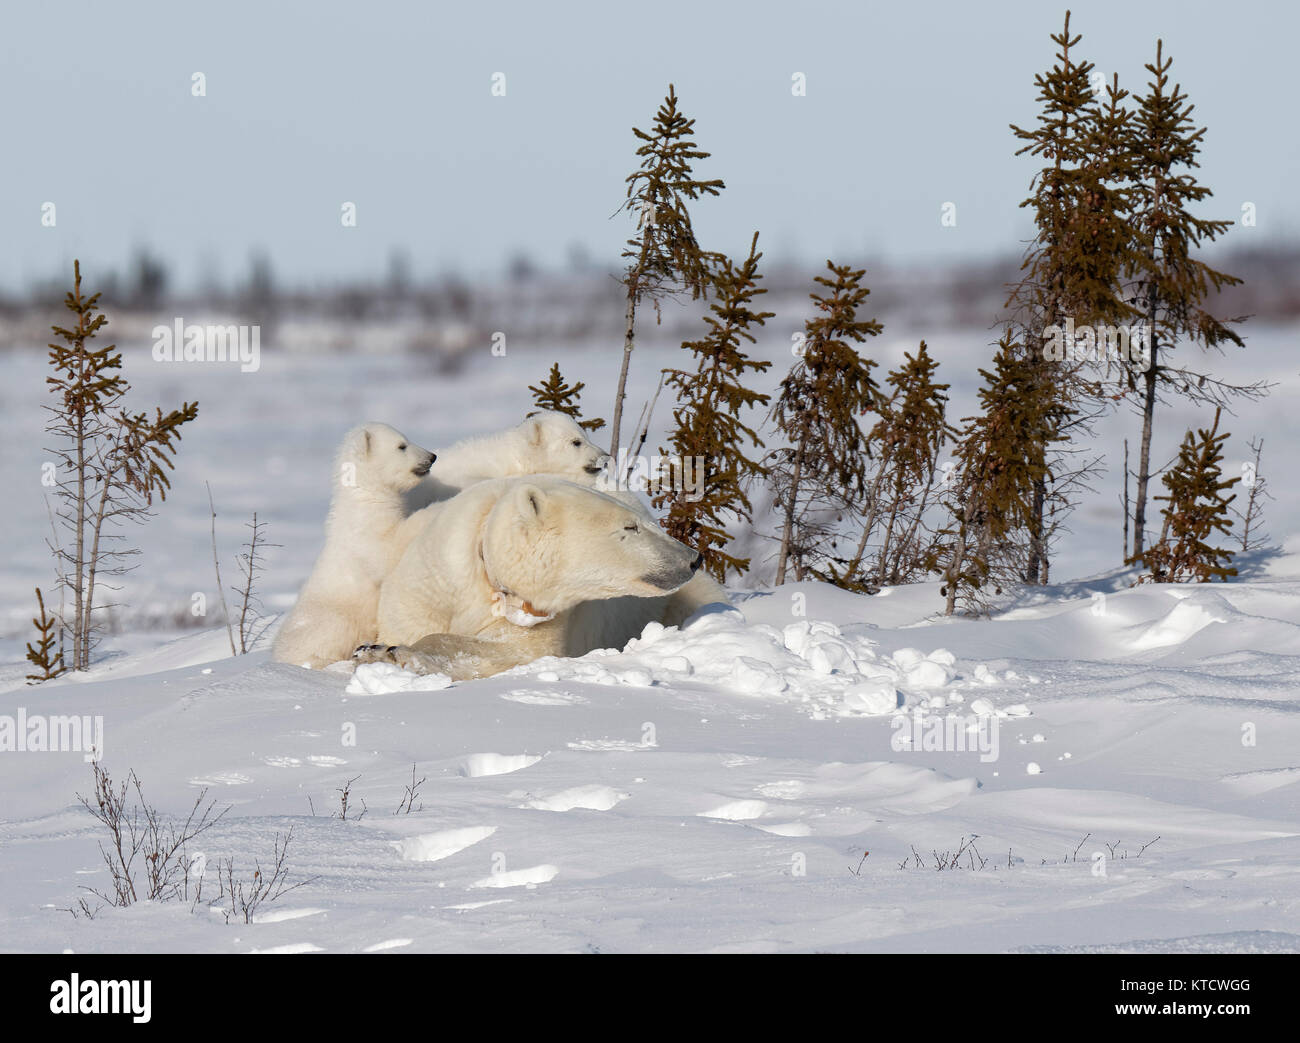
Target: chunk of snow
(383,678)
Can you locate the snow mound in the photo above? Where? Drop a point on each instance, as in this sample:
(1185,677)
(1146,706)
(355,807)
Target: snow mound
(811,662)
(383,678)
(594,797)
(433,847)
(1194,612)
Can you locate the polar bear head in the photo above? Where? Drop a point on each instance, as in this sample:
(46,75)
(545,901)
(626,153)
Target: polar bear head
(379,458)
(553,443)
(548,544)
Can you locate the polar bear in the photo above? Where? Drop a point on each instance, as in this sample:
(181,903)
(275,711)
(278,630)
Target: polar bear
(514,569)
(545,443)
(338,605)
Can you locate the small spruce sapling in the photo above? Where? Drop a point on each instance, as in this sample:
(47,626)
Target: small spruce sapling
(1197,510)
(556,395)
(112,464)
(708,424)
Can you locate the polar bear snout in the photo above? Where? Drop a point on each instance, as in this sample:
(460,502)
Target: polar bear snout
(425,461)
(675,572)
(598,465)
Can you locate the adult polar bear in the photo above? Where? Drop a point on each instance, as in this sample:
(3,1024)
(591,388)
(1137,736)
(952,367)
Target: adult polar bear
(514,569)
(338,605)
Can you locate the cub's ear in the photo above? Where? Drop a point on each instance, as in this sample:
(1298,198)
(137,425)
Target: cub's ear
(533,430)
(367,434)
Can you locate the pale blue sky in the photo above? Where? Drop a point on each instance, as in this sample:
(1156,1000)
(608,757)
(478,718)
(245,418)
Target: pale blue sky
(388,105)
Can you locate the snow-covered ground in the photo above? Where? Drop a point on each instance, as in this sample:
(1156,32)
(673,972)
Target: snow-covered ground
(711,789)
(716,789)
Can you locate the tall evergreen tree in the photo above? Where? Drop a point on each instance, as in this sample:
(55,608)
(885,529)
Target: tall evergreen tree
(1197,509)
(817,412)
(1074,264)
(556,395)
(1171,284)
(664,256)
(708,427)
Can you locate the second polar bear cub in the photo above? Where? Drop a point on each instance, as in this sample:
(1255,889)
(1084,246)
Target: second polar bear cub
(545,443)
(338,606)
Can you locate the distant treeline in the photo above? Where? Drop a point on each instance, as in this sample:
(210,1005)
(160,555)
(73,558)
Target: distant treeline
(450,314)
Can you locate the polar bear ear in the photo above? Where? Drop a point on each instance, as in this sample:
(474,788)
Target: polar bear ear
(367,441)
(533,430)
(529,502)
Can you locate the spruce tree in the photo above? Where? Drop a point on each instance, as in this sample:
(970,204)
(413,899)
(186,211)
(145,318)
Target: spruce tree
(43,655)
(708,424)
(663,257)
(1197,510)
(1001,459)
(823,466)
(1074,265)
(112,464)
(906,441)
(556,395)
(1172,284)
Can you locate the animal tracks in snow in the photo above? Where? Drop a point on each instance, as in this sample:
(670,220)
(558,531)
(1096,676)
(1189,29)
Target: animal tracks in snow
(478,765)
(839,799)
(532,697)
(737,811)
(433,847)
(587,798)
(530,877)
(221,778)
(609,746)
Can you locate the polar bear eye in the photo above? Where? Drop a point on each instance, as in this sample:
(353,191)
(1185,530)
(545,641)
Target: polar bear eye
(631,528)
(577,441)
(401,448)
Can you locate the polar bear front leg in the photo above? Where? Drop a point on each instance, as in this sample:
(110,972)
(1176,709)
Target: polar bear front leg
(460,658)
(401,655)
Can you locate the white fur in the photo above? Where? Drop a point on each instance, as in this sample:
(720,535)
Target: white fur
(337,607)
(545,443)
(512,551)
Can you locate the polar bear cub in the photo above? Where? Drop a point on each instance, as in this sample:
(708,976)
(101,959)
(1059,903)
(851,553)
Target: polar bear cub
(338,605)
(514,569)
(545,443)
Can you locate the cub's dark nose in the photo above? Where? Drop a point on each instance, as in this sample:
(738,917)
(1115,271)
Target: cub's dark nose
(695,565)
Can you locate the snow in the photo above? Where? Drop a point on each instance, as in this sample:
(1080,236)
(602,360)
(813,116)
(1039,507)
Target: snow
(712,788)
(707,788)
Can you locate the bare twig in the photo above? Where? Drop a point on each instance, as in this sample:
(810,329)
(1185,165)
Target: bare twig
(221,590)
(408,799)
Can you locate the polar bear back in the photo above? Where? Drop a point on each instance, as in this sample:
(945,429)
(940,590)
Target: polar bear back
(545,443)
(338,605)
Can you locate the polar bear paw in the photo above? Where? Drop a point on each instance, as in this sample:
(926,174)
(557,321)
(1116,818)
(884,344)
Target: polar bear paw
(399,655)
